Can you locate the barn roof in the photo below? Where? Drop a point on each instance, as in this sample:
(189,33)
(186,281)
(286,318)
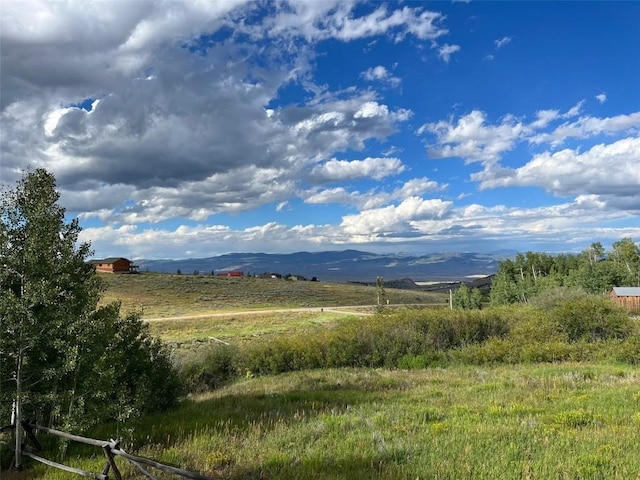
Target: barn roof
(109,260)
(627,291)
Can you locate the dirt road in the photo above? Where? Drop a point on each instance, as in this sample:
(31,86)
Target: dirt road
(365,310)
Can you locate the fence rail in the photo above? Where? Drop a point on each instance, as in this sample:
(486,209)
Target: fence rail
(111,449)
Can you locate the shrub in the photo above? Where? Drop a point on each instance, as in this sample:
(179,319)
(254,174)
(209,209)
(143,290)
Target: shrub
(557,296)
(443,330)
(629,350)
(426,360)
(533,325)
(592,319)
(585,328)
(494,350)
(546,352)
(408,339)
(210,370)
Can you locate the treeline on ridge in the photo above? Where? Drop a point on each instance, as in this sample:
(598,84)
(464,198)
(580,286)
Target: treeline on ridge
(594,271)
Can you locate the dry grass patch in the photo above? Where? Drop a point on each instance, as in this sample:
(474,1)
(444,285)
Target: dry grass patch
(238,329)
(164,295)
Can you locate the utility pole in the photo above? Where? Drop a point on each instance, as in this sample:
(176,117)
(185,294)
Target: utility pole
(380,293)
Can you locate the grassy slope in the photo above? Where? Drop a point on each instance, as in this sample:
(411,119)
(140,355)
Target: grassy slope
(525,421)
(163,295)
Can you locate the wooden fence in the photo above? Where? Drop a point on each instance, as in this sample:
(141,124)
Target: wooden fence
(111,449)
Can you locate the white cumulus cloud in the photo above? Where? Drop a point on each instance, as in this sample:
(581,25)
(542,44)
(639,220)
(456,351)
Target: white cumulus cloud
(338,170)
(380,74)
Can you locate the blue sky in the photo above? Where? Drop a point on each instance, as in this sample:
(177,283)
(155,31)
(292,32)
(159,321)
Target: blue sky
(191,129)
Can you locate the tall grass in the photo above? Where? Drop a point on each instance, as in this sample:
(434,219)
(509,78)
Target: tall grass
(534,421)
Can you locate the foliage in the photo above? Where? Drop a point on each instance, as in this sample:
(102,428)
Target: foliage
(467,299)
(400,424)
(592,318)
(69,361)
(594,271)
(557,296)
(378,341)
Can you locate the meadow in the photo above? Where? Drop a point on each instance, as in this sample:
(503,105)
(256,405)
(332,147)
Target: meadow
(407,393)
(163,295)
(571,420)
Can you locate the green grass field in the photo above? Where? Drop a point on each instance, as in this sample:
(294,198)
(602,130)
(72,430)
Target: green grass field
(568,421)
(560,420)
(236,328)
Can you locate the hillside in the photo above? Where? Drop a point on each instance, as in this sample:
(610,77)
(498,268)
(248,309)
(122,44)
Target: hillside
(163,295)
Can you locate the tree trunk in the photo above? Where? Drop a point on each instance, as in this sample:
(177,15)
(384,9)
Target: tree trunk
(18,416)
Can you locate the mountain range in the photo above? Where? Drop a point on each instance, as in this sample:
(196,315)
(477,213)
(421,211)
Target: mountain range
(340,266)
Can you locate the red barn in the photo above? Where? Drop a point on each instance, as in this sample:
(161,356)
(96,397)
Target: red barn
(114,265)
(628,297)
(231,274)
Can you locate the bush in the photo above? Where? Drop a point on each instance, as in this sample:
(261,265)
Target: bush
(557,296)
(585,328)
(427,360)
(629,350)
(592,319)
(134,370)
(547,352)
(495,350)
(407,339)
(211,370)
(445,329)
(533,325)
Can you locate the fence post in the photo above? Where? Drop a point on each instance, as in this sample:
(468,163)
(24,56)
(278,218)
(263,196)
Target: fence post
(28,431)
(111,463)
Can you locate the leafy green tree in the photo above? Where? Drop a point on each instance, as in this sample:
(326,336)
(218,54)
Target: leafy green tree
(63,359)
(595,253)
(467,299)
(597,271)
(45,283)
(504,289)
(594,271)
(625,255)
